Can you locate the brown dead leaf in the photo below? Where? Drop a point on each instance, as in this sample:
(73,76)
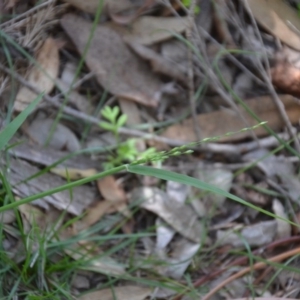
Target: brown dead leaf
(278,18)
(220,122)
(72,173)
(116,68)
(111,191)
(129,292)
(159,64)
(149,30)
(94,214)
(42,75)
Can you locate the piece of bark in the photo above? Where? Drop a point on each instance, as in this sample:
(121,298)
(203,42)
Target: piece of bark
(48,156)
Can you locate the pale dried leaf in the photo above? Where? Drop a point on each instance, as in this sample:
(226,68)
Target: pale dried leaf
(182,256)
(258,234)
(116,68)
(129,292)
(164,235)
(42,75)
(278,18)
(181,217)
(217,176)
(283,227)
(62,139)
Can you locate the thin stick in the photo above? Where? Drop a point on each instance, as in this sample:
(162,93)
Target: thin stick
(256,266)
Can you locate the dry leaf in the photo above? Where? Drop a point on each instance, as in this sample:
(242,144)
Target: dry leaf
(72,173)
(116,68)
(182,256)
(221,122)
(94,214)
(111,191)
(42,75)
(217,176)
(149,30)
(283,227)
(129,292)
(258,234)
(278,18)
(62,138)
(179,216)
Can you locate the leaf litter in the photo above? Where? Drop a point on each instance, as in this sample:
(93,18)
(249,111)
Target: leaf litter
(171,68)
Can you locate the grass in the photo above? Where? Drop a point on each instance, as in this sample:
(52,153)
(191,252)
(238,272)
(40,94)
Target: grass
(48,259)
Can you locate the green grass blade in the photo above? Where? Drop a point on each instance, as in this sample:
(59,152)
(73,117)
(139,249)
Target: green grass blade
(7,133)
(184,179)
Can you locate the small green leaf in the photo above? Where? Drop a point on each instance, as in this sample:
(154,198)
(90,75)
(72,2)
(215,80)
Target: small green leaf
(106,112)
(107,126)
(115,111)
(122,120)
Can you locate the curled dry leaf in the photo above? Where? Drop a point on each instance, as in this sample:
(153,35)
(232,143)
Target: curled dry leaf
(179,216)
(42,75)
(116,68)
(278,18)
(218,123)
